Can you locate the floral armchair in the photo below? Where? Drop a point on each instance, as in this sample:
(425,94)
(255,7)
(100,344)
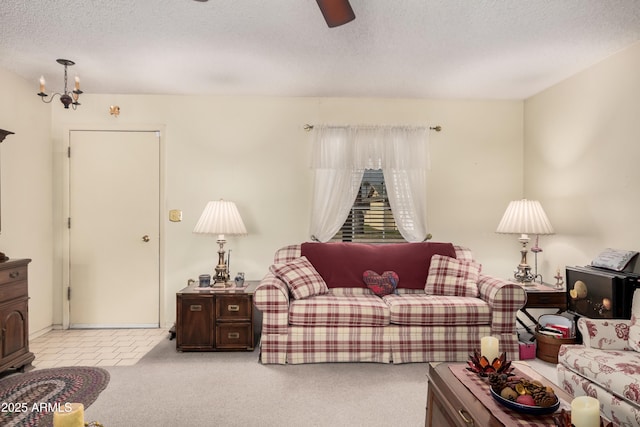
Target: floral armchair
(606,366)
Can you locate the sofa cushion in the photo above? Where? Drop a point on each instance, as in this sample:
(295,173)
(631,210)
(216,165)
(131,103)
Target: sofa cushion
(612,406)
(463,253)
(617,371)
(339,310)
(342,264)
(381,284)
(421,309)
(286,254)
(302,279)
(449,276)
(605,334)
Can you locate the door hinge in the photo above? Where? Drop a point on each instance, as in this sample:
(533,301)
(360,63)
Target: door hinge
(69,151)
(69,293)
(69,222)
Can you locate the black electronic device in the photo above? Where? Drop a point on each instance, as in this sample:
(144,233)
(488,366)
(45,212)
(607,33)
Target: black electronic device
(599,293)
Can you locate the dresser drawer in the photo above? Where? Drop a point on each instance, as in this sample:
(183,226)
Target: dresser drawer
(234,336)
(10,291)
(233,308)
(13,274)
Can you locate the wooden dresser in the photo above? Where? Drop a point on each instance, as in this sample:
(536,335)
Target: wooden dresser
(14,316)
(215,319)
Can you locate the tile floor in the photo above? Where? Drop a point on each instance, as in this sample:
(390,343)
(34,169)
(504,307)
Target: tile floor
(94,347)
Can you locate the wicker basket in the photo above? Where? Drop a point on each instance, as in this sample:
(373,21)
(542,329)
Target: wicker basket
(547,346)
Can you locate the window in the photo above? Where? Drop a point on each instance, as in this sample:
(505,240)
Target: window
(370,218)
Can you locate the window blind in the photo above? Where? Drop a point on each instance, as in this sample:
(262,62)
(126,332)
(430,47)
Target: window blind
(370,218)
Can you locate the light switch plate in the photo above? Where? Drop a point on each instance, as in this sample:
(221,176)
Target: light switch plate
(175,215)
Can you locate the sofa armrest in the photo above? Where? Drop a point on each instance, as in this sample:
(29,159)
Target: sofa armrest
(272,299)
(505,299)
(605,334)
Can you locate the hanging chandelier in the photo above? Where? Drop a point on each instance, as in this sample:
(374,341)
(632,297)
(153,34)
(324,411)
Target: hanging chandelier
(68,97)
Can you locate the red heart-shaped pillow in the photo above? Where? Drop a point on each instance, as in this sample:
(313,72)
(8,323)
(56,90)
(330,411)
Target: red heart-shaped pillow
(381,285)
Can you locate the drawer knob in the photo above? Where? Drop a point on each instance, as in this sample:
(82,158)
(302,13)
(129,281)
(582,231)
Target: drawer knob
(233,335)
(233,307)
(195,307)
(14,274)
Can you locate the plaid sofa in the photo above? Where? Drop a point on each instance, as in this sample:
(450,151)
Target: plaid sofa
(606,365)
(355,325)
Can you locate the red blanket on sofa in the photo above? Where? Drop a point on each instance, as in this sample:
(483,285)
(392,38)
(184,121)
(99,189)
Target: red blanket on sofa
(341,264)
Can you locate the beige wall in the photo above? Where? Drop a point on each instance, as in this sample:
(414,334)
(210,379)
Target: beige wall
(579,139)
(254,151)
(26,171)
(582,151)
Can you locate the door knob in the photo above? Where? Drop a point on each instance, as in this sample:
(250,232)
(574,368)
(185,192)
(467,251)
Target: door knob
(145,238)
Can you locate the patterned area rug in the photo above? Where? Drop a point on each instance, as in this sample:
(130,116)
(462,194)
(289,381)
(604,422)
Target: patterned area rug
(30,399)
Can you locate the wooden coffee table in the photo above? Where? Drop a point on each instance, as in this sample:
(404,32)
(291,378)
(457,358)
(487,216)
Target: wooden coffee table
(450,403)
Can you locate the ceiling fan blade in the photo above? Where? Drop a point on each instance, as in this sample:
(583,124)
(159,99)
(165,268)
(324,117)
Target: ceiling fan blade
(336,12)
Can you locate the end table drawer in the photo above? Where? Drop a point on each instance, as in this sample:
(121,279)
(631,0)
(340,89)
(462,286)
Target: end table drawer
(546,299)
(234,336)
(236,307)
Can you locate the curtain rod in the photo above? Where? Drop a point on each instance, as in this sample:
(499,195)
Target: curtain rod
(309,127)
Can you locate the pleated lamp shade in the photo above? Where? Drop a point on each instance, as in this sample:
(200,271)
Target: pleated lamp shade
(525,217)
(221,217)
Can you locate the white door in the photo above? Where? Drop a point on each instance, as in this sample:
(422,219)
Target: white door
(114,229)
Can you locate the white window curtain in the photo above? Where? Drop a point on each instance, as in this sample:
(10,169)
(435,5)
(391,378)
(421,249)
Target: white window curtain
(340,155)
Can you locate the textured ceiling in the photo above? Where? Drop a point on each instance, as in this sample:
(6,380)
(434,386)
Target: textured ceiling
(509,49)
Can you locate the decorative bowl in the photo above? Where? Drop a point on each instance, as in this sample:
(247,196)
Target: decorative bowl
(526,409)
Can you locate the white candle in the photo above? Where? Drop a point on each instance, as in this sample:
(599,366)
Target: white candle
(489,348)
(42,82)
(77,82)
(69,415)
(585,412)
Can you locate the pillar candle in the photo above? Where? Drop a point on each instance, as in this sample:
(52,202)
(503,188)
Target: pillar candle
(71,415)
(585,412)
(489,348)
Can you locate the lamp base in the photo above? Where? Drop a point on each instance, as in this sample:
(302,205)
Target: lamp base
(221,275)
(522,273)
(219,285)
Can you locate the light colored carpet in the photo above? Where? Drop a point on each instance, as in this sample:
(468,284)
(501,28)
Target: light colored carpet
(167,388)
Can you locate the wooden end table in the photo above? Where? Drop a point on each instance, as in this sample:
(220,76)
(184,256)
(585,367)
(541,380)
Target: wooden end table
(450,403)
(211,319)
(542,296)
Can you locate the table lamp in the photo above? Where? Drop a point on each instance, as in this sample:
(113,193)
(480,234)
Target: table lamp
(524,217)
(219,218)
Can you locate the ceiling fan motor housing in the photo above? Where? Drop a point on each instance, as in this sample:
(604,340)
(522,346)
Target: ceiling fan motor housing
(336,12)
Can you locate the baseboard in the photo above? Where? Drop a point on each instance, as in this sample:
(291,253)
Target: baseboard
(42,331)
